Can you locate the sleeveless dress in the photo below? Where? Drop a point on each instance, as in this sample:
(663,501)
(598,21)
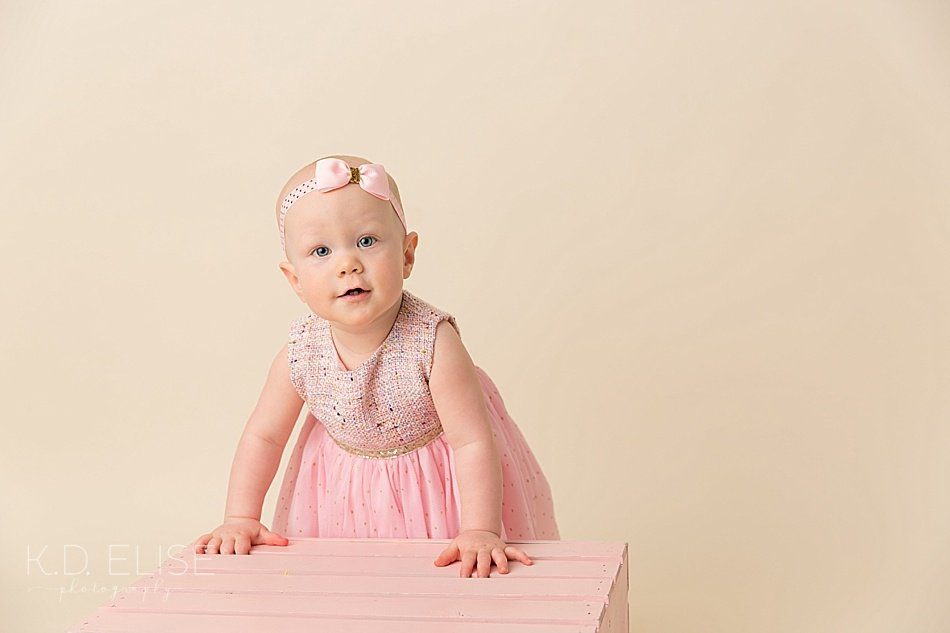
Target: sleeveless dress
(371,460)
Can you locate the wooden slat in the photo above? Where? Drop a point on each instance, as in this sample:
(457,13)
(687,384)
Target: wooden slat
(376,566)
(432,547)
(402,605)
(186,623)
(513,587)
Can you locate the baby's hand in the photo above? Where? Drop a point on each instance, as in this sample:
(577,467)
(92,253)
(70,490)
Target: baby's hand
(483,546)
(236,535)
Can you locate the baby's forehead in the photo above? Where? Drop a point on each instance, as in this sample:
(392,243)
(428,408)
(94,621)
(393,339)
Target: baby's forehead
(338,211)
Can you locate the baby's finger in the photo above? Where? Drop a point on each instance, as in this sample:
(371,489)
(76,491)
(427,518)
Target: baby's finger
(266,537)
(242,544)
(448,555)
(514,553)
(213,545)
(468,564)
(498,555)
(227,545)
(484,562)
(202,542)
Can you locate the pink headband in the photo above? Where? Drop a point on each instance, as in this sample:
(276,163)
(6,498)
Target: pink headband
(333,173)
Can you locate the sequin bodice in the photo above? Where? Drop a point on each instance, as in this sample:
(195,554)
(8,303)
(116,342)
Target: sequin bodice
(382,408)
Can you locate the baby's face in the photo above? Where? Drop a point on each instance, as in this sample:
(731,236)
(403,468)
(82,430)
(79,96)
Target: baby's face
(342,239)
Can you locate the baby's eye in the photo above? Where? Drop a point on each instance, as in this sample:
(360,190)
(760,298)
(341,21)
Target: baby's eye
(366,240)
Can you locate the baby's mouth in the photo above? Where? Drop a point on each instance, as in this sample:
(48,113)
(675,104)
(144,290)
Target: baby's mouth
(353,291)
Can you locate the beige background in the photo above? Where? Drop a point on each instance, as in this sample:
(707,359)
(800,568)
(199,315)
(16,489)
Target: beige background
(703,249)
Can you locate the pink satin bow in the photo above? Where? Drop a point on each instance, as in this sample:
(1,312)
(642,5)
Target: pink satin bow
(333,173)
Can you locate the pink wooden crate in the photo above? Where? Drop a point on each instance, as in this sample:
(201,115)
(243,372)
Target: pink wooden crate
(360,585)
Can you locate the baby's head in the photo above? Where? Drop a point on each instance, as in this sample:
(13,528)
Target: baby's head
(345,238)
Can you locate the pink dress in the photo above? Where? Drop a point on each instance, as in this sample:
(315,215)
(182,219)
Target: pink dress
(371,460)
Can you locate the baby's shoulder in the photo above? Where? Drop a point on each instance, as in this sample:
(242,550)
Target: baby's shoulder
(302,348)
(302,328)
(435,332)
(427,317)
(447,338)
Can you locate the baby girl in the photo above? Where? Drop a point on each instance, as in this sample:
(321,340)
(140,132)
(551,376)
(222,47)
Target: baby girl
(405,436)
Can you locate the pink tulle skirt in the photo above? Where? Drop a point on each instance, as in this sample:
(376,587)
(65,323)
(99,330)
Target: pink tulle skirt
(329,492)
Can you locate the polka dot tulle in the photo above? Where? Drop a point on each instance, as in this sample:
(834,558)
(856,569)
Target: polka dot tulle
(362,478)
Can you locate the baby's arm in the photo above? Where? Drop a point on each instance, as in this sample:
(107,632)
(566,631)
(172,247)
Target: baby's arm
(255,463)
(457,395)
(262,442)
(458,400)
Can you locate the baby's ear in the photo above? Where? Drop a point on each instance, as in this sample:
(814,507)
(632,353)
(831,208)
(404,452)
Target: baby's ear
(288,269)
(409,253)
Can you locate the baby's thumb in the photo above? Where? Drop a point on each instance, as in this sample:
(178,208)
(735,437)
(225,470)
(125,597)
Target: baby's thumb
(272,538)
(447,556)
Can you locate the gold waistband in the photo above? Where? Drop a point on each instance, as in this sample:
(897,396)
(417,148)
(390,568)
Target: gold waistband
(391,452)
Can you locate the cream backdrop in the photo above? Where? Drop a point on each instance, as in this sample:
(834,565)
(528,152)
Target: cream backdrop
(701,247)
